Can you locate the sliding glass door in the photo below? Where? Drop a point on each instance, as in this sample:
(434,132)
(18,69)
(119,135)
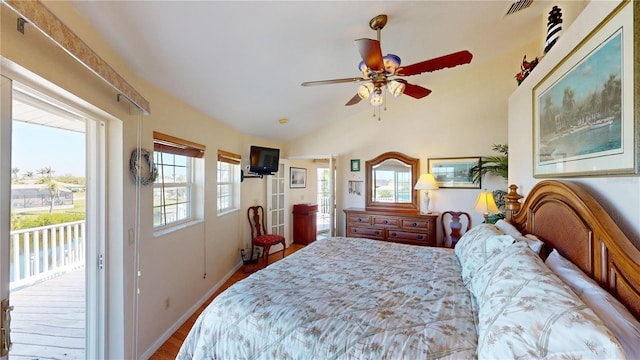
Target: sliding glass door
(53,225)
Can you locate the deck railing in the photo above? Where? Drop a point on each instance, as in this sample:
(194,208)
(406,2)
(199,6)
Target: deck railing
(324,205)
(45,252)
(324,211)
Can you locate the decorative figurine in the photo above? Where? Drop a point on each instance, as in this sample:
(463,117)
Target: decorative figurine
(553,32)
(526,68)
(553,28)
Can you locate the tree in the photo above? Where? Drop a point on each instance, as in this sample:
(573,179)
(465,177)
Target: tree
(548,118)
(568,107)
(46,178)
(496,165)
(15,172)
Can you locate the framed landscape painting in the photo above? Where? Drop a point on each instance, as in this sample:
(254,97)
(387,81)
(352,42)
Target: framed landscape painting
(298,178)
(454,172)
(583,110)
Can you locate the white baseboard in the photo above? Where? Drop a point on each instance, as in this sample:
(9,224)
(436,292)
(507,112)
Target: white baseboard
(167,334)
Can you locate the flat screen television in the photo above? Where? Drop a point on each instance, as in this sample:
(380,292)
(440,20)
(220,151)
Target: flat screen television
(263,160)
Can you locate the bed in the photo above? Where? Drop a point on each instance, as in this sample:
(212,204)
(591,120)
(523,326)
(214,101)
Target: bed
(492,296)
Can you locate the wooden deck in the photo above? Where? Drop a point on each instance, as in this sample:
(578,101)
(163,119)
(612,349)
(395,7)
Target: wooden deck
(48,320)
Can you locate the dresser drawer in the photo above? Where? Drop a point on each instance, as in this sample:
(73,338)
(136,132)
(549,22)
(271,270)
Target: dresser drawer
(394,226)
(359,219)
(417,224)
(422,238)
(386,222)
(366,232)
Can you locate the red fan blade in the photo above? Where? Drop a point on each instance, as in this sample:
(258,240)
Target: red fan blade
(446,61)
(354,100)
(415,91)
(333,81)
(371,53)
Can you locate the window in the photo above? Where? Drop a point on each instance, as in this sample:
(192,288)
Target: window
(392,184)
(228,180)
(175,190)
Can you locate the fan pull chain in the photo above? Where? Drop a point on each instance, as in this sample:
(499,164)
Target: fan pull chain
(385,98)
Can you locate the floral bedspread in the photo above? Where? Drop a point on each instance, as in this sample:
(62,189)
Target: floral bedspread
(343,298)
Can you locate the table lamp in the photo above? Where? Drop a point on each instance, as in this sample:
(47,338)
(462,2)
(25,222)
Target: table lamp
(485,205)
(426,182)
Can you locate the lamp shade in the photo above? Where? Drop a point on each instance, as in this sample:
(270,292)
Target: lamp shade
(365,90)
(366,72)
(376,99)
(396,88)
(426,182)
(485,203)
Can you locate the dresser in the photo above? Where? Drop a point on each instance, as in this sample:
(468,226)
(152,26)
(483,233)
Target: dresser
(407,228)
(304,223)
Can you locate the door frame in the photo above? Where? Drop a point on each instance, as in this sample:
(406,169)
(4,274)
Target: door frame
(272,180)
(333,167)
(6,97)
(96,172)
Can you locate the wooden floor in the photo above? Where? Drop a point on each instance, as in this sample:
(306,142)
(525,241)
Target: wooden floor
(48,320)
(170,348)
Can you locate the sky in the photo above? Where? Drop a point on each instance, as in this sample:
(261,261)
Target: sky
(35,147)
(592,73)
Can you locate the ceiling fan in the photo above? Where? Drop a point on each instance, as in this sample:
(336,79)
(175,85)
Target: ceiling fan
(379,71)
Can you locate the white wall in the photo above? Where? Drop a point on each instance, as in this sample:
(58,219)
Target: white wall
(308,194)
(620,196)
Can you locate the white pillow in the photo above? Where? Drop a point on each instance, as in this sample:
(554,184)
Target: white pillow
(526,311)
(507,228)
(615,316)
(477,245)
(534,243)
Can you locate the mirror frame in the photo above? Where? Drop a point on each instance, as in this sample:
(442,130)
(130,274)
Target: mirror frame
(414,163)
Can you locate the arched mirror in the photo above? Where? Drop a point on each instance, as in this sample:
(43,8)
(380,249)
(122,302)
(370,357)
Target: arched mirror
(390,179)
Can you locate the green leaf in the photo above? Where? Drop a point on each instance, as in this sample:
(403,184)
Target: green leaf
(496,165)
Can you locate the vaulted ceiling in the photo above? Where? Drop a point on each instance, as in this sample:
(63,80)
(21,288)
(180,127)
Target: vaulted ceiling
(242,62)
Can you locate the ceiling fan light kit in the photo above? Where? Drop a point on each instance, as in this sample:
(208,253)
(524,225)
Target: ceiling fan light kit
(376,98)
(365,90)
(396,88)
(379,71)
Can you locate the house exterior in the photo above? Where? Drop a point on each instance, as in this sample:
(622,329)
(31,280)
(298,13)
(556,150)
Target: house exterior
(484,107)
(31,197)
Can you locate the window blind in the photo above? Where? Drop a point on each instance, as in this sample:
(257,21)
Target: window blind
(173,145)
(229,157)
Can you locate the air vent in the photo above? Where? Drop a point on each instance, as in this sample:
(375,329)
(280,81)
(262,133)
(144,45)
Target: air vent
(519,5)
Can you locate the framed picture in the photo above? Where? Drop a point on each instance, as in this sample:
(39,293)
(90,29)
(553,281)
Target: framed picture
(583,110)
(454,172)
(298,178)
(355,165)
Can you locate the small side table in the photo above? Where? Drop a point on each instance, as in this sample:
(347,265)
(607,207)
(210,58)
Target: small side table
(304,223)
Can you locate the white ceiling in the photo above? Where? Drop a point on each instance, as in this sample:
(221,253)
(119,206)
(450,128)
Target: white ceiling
(242,62)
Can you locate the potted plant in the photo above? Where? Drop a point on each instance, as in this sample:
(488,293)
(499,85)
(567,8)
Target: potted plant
(498,166)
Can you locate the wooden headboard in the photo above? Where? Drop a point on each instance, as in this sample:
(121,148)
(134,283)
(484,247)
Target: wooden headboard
(566,217)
